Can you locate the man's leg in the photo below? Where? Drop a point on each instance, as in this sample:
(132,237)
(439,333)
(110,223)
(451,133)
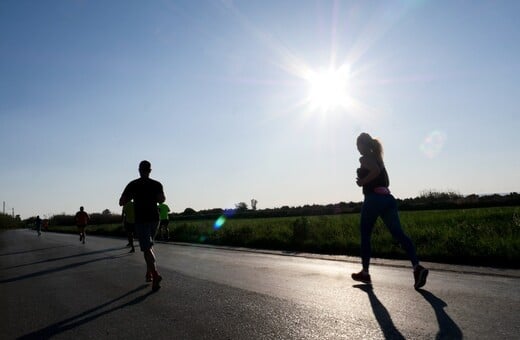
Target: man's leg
(149,257)
(144,233)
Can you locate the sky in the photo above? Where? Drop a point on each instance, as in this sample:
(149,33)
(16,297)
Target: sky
(233,100)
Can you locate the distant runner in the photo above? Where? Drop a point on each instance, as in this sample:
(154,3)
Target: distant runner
(129,223)
(38,225)
(164,232)
(82,220)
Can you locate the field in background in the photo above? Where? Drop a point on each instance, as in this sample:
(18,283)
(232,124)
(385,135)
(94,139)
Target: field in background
(482,236)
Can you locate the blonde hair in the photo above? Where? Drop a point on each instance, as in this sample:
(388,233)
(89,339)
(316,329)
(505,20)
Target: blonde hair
(373,145)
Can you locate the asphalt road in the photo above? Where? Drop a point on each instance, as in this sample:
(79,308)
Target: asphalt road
(54,287)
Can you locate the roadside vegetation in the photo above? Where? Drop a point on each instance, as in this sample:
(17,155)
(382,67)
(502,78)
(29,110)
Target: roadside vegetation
(10,222)
(445,227)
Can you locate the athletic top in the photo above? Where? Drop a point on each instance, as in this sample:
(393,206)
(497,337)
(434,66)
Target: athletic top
(163,211)
(381,180)
(128,211)
(81,218)
(144,192)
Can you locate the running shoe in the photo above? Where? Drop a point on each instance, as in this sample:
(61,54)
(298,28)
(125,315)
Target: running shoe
(419,274)
(361,277)
(155,283)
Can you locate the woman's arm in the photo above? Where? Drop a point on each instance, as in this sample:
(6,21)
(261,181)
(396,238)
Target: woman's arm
(373,170)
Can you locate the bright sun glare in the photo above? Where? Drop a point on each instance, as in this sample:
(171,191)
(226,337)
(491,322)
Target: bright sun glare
(328,89)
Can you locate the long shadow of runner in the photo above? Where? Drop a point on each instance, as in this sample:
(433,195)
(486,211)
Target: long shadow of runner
(381,313)
(448,329)
(84,317)
(66,257)
(30,250)
(57,269)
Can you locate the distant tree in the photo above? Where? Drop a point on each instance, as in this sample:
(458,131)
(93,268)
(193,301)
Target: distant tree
(106,212)
(439,195)
(189,211)
(242,206)
(253,204)
(8,221)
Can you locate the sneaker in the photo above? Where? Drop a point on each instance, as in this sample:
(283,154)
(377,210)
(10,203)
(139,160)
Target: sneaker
(362,277)
(419,274)
(155,283)
(148,277)
(132,250)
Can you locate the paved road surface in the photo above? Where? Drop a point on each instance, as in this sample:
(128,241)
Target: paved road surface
(54,287)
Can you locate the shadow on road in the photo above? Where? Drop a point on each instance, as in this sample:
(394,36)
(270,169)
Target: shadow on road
(448,329)
(86,316)
(381,313)
(66,257)
(57,269)
(30,251)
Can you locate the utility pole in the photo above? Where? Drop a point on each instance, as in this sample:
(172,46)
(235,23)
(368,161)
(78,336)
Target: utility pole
(3,211)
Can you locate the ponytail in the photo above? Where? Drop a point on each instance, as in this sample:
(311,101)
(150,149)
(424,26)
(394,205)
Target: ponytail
(373,144)
(377,149)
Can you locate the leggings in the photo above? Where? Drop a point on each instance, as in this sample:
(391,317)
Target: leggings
(384,206)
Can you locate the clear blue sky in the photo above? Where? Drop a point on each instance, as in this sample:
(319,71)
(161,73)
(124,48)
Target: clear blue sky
(215,95)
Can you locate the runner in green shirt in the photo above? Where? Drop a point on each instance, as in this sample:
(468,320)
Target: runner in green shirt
(164,210)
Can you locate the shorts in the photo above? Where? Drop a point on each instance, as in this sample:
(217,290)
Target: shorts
(81,228)
(130,227)
(145,232)
(164,223)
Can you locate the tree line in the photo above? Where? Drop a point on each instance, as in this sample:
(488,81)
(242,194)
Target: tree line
(427,200)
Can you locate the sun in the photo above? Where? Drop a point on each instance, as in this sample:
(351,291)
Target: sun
(328,89)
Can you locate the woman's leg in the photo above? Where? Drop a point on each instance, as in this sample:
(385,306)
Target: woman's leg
(368,219)
(391,219)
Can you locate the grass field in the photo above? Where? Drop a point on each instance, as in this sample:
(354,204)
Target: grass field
(483,236)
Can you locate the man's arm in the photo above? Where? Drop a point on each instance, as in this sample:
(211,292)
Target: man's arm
(123,200)
(161,198)
(160,194)
(125,196)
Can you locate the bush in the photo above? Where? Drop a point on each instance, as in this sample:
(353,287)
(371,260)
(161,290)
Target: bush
(9,222)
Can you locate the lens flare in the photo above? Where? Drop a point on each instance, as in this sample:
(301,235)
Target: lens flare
(433,143)
(219,222)
(223,218)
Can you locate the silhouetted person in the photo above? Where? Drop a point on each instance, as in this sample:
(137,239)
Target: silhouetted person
(146,193)
(38,225)
(129,223)
(164,210)
(378,202)
(82,220)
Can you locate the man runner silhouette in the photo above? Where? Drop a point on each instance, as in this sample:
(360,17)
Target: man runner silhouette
(146,193)
(82,220)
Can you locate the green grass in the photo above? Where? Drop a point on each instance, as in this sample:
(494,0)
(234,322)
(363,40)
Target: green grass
(483,236)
